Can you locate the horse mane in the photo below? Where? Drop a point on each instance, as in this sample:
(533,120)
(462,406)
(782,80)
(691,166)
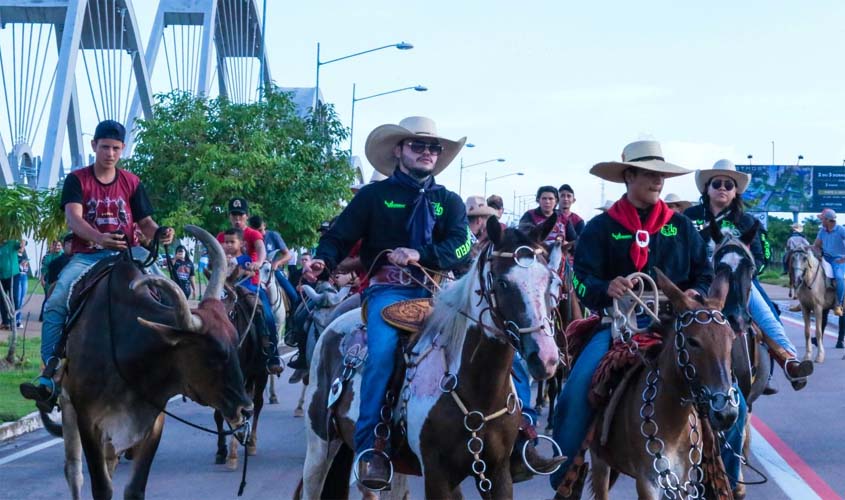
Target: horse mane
(446,320)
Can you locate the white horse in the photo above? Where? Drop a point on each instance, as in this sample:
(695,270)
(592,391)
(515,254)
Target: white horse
(278,305)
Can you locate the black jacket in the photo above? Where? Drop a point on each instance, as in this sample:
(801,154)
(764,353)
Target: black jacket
(379,213)
(760,247)
(603,253)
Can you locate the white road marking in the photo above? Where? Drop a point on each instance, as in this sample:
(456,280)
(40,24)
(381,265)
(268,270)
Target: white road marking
(828,332)
(784,475)
(30,451)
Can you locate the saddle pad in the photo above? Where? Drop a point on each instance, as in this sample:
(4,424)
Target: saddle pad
(578,333)
(828,269)
(87,280)
(616,363)
(408,315)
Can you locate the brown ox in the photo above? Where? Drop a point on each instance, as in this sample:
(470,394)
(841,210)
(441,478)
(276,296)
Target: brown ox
(108,408)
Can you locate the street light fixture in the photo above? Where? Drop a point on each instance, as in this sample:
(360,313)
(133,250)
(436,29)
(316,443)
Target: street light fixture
(461,174)
(486,180)
(750,157)
(400,46)
(798,162)
(418,88)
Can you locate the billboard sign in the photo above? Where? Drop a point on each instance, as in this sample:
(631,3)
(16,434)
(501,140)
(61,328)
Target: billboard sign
(789,188)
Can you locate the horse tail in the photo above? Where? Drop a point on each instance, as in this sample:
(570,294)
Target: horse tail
(50,426)
(336,484)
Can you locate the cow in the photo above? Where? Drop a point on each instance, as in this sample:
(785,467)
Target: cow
(127,354)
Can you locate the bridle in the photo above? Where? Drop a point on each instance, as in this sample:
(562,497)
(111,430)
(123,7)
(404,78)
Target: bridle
(803,282)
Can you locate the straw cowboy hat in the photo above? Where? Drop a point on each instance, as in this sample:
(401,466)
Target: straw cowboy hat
(476,205)
(724,168)
(673,199)
(376,177)
(381,141)
(646,155)
(606,206)
(797,227)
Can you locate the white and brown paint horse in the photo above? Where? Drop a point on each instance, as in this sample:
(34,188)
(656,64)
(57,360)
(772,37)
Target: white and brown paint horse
(503,303)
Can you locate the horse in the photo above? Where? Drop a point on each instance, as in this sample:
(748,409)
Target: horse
(657,432)
(247,316)
(814,295)
(458,409)
(279,306)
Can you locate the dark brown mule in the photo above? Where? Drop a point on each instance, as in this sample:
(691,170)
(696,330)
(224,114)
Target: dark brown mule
(462,361)
(127,354)
(689,380)
(247,316)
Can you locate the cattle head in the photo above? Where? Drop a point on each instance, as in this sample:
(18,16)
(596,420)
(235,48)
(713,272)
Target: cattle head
(203,339)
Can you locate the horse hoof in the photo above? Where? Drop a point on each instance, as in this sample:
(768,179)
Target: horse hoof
(298,413)
(220,459)
(232,464)
(819,359)
(252,450)
(274,400)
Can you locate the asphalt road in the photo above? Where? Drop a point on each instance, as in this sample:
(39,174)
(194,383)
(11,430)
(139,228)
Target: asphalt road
(797,441)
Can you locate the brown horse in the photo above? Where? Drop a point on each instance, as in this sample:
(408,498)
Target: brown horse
(657,424)
(814,295)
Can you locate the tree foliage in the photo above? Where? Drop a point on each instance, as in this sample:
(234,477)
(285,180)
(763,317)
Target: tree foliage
(197,153)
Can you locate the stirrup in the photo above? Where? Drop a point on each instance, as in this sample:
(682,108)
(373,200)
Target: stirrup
(374,452)
(799,363)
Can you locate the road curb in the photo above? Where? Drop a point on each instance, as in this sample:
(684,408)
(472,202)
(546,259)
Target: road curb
(29,423)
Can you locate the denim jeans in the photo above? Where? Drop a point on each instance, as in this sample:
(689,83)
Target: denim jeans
(762,313)
(290,291)
(20,286)
(55,308)
(839,274)
(522,382)
(269,319)
(382,340)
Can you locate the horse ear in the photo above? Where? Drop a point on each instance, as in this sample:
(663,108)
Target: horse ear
(675,295)
(539,233)
(749,235)
(556,253)
(719,290)
(494,230)
(715,232)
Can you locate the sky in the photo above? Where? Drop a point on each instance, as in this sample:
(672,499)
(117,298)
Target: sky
(555,86)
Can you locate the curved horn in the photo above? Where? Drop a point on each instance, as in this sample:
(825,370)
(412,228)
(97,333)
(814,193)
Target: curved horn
(185,320)
(216,260)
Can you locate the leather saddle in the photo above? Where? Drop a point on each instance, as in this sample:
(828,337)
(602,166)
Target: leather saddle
(82,287)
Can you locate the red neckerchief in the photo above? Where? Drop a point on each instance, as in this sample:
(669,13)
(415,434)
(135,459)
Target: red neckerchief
(626,214)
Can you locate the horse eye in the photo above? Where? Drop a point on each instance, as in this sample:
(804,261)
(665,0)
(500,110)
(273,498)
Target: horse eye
(694,342)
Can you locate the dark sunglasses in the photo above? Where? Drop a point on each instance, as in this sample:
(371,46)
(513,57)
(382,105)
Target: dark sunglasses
(718,183)
(419,147)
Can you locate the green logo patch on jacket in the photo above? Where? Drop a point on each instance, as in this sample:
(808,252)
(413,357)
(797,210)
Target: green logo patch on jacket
(393,204)
(669,230)
(438,208)
(580,288)
(621,236)
(464,249)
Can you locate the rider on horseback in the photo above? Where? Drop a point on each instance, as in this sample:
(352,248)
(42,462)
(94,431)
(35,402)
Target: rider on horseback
(404,220)
(638,233)
(101,204)
(721,188)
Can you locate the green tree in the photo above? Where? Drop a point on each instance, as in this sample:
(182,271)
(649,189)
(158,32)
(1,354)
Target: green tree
(197,153)
(811,228)
(778,232)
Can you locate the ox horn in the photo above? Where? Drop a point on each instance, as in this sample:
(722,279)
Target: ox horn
(216,260)
(185,320)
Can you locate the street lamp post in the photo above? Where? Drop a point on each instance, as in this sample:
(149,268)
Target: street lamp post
(400,46)
(461,174)
(750,157)
(798,161)
(486,180)
(418,88)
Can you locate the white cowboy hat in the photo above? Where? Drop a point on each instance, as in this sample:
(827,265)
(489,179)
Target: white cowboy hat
(606,206)
(797,227)
(376,177)
(477,205)
(646,155)
(724,168)
(673,199)
(381,141)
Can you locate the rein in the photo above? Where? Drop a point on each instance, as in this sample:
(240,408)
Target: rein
(812,282)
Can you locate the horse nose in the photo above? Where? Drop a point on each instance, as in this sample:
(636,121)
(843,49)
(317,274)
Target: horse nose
(725,418)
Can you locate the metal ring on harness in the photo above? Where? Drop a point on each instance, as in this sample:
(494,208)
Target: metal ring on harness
(557,452)
(448,382)
(358,460)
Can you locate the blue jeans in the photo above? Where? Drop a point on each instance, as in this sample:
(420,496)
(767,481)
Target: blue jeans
(735,436)
(290,291)
(269,319)
(839,274)
(382,340)
(20,286)
(762,313)
(522,382)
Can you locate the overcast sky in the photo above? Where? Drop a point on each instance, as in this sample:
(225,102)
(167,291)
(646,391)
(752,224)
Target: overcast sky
(555,86)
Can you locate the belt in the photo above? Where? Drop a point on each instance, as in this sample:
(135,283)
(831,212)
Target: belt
(397,276)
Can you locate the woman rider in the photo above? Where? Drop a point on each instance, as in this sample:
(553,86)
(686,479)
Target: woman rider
(720,189)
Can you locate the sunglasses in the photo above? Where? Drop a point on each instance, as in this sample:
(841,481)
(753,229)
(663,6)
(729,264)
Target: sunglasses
(718,183)
(419,147)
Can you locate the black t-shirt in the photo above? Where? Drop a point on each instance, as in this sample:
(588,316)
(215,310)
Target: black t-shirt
(55,267)
(183,270)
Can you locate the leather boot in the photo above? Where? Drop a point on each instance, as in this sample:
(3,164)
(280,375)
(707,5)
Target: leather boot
(374,474)
(44,390)
(274,362)
(797,372)
(519,470)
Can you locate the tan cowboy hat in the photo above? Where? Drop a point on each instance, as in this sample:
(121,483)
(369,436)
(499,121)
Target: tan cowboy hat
(725,168)
(797,227)
(380,143)
(646,155)
(476,205)
(376,177)
(606,206)
(673,199)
